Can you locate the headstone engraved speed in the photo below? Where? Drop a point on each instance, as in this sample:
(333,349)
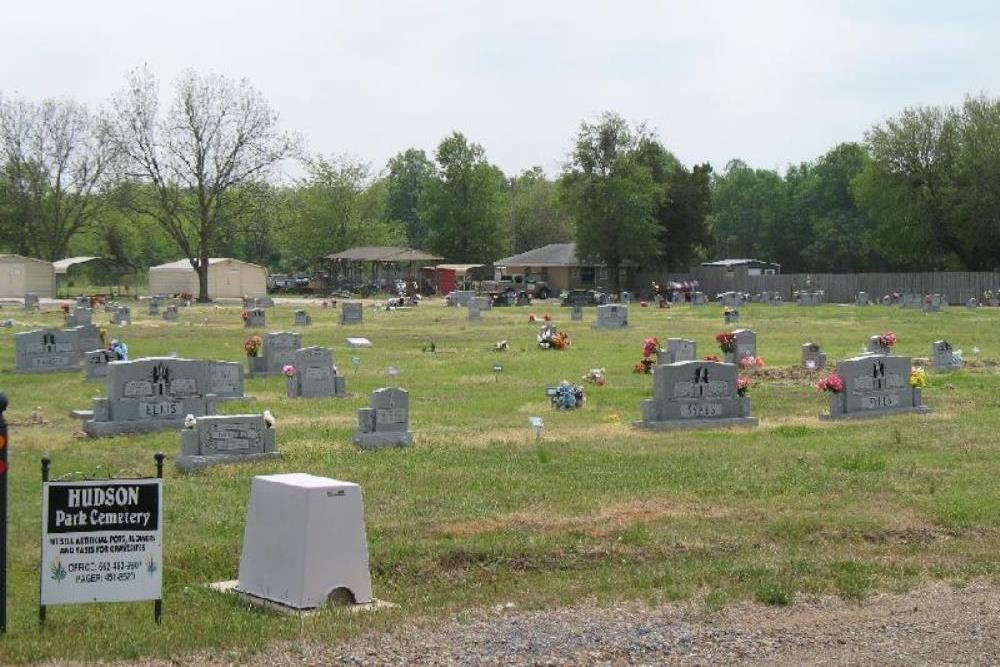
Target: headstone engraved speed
(875,385)
(225,439)
(695,394)
(315,375)
(154,394)
(304,543)
(102,541)
(611,316)
(47,351)
(386,423)
(351,312)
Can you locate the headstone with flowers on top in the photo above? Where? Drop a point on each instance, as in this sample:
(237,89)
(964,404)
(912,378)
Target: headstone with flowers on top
(882,343)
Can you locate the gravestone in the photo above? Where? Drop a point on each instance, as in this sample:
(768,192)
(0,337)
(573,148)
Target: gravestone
(83,302)
(351,312)
(315,375)
(746,346)
(304,542)
(154,307)
(576,314)
(972,303)
(485,302)
(862,299)
(943,357)
(473,310)
(932,303)
(611,316)
(79,317)
(31,301)
(699,299)
(122,316)
(875,346)
(887,300)
(386,422)
(279,349)
(874,385)
(226,380)
(732,299)
(302,319)
(776,300)
(461,298)
(731,315)
(88,337)
(256,318)
(219,439)
(151,394)
(678,349)
(95,364)
(358,342)
(811,298)
(812,356)
(695,394)
(170,313)
(47,351)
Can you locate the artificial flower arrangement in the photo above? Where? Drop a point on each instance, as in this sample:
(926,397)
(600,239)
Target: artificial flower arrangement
(888,339)
(650,348)
(532,318)
(501,346)
(831,383)
(568,397)
(596,376)
(726,341)
(551,338)
(65,308)
(644,304)
(186,296)
(742,385)
(547,317)
(245,315)
(253,346)
(288,371)
(119,349)
(750,362)
(918,378)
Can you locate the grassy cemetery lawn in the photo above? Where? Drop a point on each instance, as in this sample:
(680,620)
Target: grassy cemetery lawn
(476,513)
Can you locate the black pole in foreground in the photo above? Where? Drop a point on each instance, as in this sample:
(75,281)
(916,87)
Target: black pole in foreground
(46,462)
(3,515)
(158,604)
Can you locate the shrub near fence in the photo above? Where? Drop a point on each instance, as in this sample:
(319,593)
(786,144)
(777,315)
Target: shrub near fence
(957,286)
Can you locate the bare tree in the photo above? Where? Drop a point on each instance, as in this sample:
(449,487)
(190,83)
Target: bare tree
(187,164)
(56,164)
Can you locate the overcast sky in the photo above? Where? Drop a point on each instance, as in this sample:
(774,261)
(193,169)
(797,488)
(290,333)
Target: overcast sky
(772,83)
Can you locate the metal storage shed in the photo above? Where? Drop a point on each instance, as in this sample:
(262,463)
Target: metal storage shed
(227,278)
(19,275)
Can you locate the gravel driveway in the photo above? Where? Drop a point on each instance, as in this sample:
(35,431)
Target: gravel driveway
(936,624)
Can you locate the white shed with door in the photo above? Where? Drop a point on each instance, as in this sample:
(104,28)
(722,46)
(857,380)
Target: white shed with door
(227,278)
(20,275)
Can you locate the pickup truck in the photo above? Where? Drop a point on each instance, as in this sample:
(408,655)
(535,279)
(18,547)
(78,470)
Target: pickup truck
(537,288)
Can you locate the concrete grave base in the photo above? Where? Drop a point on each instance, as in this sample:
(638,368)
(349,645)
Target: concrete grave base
(231,587)
(97,429)
(869,414)
(383,439)
(691,424)
(194,463)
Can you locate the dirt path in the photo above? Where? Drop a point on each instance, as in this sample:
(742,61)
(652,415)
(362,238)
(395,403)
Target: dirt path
(932,625)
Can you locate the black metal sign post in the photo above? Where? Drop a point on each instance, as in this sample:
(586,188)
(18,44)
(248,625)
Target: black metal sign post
(46,464)
(3,515)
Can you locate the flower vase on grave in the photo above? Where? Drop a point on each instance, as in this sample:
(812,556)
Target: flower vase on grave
(838,403)
(917,397)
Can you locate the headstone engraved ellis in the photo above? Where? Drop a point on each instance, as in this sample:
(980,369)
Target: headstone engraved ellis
(351,312)
(611,316)
(47,351)
(302,319)
(386,422)
(154,394)
(875,385)
(315,375)
(225,439)
(695,394)
(304,542)
(256,318)
(812,356)
(944,357)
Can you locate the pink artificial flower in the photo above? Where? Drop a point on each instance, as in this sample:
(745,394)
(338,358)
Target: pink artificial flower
(288,370)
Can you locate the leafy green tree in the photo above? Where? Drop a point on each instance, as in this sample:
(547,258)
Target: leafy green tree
(538,215)
(410,173)
(466,205)
(749,207)
(976,185)
(612,195)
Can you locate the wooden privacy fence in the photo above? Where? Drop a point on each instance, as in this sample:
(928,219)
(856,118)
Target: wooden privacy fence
(957,286)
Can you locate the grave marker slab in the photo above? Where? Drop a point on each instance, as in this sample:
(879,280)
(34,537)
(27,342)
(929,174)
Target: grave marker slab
(358,342)
(122,316)
(473,310)
(699,299)
(461,298)
(31,301)
(746,346)
(695,394)
(302,319)
(576,314)
(47,351)
(351,312)
(79,317)
(315,375)
(812,356)
(256,318)
(678,349)
(95,363)
(154,307)
(875,385)
(611,316)
(304,542)
(972,303)
(386,422)
(170,314)
(875,346)
(862,299)
(225,439)
(943,357)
